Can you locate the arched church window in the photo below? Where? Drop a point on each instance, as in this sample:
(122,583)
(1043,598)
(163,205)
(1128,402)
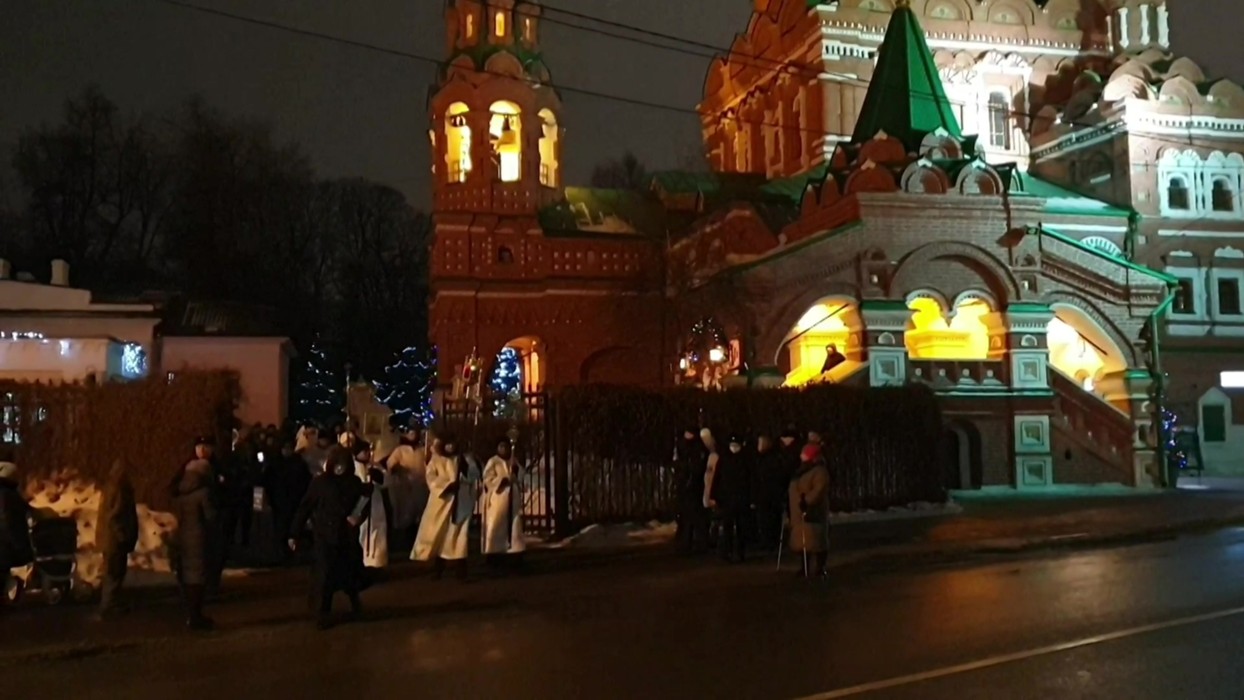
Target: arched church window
(457,142)
(505,129)
(499,24)
(529,30)
(1177,196)
(999,120)
(505,256)
(470,26)
(549,165)
(1222,195)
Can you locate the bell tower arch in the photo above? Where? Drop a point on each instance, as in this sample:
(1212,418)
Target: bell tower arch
(495,122)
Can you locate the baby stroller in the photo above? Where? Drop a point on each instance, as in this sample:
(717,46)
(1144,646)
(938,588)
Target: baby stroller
(55,543)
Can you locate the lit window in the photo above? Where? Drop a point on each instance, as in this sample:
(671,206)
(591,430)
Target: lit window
(458,142)
(1232,380)
(999,121)
(1228,296)
(505,129)
(1223,197)
(528,29)
(548,148)
(1177,194)
(1185,297)
(470,26)
(500,23)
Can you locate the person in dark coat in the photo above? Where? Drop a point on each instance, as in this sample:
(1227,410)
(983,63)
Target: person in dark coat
(730,498)
(336,504)
(116,533)
(195,543)
(690,464)
(15,546)
(770,479)
(285,482)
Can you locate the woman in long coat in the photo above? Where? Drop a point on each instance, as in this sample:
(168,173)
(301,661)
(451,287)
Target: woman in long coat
(809,509)
(197,537)
(503,506)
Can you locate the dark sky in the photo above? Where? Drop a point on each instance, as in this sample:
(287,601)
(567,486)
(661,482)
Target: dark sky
(358,112)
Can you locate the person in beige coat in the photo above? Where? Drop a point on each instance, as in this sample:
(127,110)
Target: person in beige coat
(809,510)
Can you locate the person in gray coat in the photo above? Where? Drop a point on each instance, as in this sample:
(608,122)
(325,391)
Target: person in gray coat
(197,530)
(809,510)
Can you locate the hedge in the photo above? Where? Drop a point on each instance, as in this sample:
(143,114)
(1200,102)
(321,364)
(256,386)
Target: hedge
(152,424)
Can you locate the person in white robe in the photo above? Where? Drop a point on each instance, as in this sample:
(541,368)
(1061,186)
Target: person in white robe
(503,508)
(445,525)
(408,492)
(374,532)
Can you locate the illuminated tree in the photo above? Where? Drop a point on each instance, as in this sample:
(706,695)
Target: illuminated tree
(407,385)
(1176,457)
(506,382)
(317,392)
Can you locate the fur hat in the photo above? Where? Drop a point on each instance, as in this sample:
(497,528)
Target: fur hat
(8,470)
(810,453)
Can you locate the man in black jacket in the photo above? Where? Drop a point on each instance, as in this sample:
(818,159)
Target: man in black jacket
(15,547)
(730,498)
(690,463)
(770,481)
(335,504)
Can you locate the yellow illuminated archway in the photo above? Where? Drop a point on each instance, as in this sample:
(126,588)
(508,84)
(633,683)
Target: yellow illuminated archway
(457,142)
(1080,349)
(506,129)
(830,323)
(548,148)
(964,337)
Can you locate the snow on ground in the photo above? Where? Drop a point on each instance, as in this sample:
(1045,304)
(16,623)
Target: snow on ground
(619,535)
(67,496)
(921,509)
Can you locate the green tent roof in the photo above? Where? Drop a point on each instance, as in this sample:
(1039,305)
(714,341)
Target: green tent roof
(905,97)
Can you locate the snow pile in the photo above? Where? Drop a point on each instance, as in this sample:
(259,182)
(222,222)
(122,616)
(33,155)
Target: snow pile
(67,496)
(623,535)
(921,509)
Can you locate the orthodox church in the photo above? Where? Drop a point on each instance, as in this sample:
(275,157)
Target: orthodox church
(1031,207)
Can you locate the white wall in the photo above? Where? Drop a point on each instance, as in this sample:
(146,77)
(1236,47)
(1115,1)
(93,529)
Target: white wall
(1222,457)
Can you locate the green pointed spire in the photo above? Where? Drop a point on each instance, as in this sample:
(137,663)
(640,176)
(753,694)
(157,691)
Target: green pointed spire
(905,97)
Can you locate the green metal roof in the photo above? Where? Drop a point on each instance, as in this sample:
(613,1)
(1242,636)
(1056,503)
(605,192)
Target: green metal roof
(1051,233)
(603,212)
(905,97)
(1059,199)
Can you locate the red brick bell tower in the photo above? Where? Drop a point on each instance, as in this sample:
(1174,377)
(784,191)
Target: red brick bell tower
(512,264)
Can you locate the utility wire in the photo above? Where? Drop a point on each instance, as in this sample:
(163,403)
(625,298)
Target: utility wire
(367,46)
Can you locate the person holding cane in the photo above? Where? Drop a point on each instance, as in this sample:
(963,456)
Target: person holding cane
(809,510)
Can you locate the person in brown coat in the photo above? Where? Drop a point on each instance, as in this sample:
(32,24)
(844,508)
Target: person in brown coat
(809,509)
(197,532)
(116,533)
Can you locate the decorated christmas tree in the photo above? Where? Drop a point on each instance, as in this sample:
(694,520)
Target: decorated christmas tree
(318,386)
(407,386)
(506,382)
(1175,454)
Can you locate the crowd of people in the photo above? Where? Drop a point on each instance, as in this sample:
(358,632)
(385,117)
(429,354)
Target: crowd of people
(347,503)
(745,493)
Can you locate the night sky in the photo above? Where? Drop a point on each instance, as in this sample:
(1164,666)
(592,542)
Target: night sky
(359,112)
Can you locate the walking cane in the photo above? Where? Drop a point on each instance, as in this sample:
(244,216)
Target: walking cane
(803,538)
(781,542)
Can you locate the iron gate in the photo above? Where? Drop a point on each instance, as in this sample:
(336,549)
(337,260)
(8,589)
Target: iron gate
(526,421)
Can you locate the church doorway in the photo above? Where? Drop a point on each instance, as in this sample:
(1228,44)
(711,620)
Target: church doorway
(828,329)
(961,457)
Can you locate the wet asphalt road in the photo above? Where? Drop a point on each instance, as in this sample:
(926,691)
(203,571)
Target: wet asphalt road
(669,628)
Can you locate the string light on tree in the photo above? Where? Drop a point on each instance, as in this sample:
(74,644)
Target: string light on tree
(318,389)
(506,383)
(1175,455)
(407,385)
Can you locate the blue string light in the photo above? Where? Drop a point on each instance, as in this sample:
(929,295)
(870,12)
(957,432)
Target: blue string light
(407,385)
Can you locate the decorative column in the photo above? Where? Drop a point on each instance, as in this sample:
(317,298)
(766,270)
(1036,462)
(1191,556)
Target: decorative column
(1025,343)
(1144,25)
(885,323)
(1164,27)
(1029,356)
(1124,30)
(1130,391)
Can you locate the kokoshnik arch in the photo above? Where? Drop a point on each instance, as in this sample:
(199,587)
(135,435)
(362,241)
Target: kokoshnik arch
(889,189)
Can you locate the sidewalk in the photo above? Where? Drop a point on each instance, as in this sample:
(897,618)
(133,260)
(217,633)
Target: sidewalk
(256,602)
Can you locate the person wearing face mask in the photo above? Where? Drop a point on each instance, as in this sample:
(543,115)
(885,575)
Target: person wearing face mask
(443,531)
(335,504)
(730,499)
(374,532)
(285,482)
(809,510)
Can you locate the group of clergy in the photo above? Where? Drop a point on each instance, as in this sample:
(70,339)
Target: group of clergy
(438,488)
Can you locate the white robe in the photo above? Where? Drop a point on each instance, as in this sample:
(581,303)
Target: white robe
(374,532)
(409,490)
(503,510)
(442,532)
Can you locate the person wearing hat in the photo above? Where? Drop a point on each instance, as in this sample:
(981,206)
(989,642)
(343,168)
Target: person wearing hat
(374,531)
(503,540)
(15,547)
(690,464)
(336,504)
(444,527)
(198,531)
(729,498)
(809,510)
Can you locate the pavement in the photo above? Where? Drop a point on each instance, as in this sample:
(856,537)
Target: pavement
(1156,621)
